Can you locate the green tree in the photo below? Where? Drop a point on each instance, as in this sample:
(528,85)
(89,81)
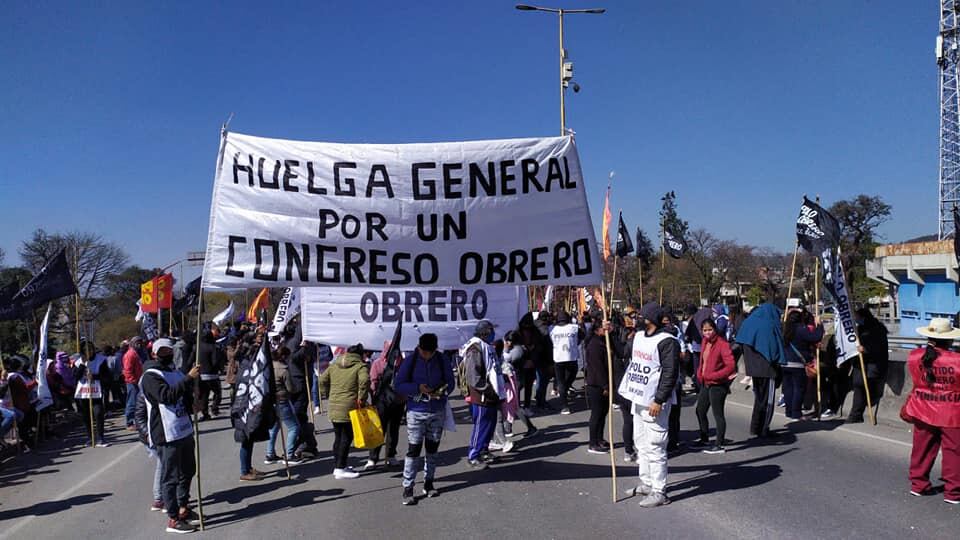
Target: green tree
(859,218)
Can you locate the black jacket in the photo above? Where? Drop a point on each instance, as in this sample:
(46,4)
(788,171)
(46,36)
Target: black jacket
(595,363)
(876,355)
(297,368)
(756,364)
(157,391)
(211,357)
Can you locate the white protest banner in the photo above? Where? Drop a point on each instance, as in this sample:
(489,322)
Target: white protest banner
(287,309)
(308,214)
(835,283)
(43,388)
(344,316)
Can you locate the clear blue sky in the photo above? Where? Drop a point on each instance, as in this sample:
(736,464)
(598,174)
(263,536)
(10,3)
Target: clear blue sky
(109,116)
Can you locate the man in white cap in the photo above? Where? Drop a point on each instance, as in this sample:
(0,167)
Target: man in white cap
(169,397)
(649,384)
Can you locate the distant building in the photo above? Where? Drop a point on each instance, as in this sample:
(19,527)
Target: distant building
(924,276)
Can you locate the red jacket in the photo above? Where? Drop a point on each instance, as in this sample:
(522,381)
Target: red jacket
(716,362)
(132,367)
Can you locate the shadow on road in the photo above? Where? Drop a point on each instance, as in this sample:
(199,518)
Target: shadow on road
(53,507)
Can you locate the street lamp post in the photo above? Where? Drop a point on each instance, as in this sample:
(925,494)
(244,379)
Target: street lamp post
(566,68)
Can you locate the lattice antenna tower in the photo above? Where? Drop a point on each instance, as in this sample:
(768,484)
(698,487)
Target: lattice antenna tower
(948,54)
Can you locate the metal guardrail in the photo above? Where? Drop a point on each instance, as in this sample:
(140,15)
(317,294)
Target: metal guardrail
(905,342)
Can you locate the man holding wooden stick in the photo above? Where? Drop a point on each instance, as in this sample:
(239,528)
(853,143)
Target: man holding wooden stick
(649,384)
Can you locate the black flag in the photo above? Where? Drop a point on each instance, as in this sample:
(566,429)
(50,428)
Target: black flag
(956,234)
(676,246)
(51,282)
(624,243)
(190,296)
(817,230)
(253,411)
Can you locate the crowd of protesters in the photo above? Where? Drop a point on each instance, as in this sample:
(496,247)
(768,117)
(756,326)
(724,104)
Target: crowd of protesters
(658,356)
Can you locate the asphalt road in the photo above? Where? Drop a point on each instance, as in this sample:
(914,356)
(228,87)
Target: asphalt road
(819,480)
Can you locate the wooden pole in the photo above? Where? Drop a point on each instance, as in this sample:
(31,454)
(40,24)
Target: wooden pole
(793,268)
(863,369)
(816,312)
(196,423)
(613,458)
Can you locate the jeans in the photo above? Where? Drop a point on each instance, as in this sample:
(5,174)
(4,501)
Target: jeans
(315,390)
(7,417)
(712,397)
(390,417)
(157,478)
(484,424)
(342,439)
(246,457)
(132,391)
(179,466)
(599,407)
(764,397)
(288,417)
(424,429)
(794,386)
(650,440)
(566,373)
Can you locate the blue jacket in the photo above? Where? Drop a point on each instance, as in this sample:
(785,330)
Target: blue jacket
(414,371)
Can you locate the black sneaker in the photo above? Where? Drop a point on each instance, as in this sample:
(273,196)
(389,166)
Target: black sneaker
(714,450)
(271,460)
(477,464)
(179,527)
(596,450)
(700,443)
(408,498)
(428,490)
(487,457)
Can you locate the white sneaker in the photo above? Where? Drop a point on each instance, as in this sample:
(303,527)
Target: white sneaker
(827,414)
(507,446)
(509,434)
(316,410)
(345,474)
(369,465)
(494,446)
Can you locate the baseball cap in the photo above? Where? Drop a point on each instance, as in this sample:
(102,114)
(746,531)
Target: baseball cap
(162,343)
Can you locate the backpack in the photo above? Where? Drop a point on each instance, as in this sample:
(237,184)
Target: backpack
(462,378)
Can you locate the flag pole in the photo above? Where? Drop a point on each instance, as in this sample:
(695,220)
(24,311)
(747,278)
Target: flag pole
(663,257)
(606,336)
(76,304)
(793,268)
(816,311)
(640,268)
(196,423)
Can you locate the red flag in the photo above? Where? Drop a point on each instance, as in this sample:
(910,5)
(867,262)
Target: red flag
(606,226)
(164,286)
(148,296)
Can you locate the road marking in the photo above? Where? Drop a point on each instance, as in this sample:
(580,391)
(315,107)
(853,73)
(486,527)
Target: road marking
(69,493)
(841,428)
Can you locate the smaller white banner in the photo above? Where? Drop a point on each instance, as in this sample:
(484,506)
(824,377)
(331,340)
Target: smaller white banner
(287,309)
(344,316)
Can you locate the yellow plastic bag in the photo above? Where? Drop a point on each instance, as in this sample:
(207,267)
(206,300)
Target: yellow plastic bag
(367,431)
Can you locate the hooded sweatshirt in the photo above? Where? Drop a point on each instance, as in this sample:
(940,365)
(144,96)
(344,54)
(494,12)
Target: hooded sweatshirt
(348,381)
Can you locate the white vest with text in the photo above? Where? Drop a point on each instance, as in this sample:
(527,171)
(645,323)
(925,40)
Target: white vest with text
(174,418)
(640,382)
(564,340)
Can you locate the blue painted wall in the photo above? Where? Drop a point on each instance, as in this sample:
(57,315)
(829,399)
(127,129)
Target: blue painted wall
(920,303)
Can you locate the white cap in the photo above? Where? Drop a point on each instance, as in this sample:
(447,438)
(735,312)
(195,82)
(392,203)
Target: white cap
(162,343)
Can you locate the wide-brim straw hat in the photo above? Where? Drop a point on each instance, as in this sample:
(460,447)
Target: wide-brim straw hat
(939,328)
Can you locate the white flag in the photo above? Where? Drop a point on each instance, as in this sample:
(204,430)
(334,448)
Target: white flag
(43,389)
(224,315)
(547,298)
(287,309)
(846,330)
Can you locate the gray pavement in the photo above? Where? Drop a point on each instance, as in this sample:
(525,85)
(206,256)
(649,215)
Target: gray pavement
(819,480)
